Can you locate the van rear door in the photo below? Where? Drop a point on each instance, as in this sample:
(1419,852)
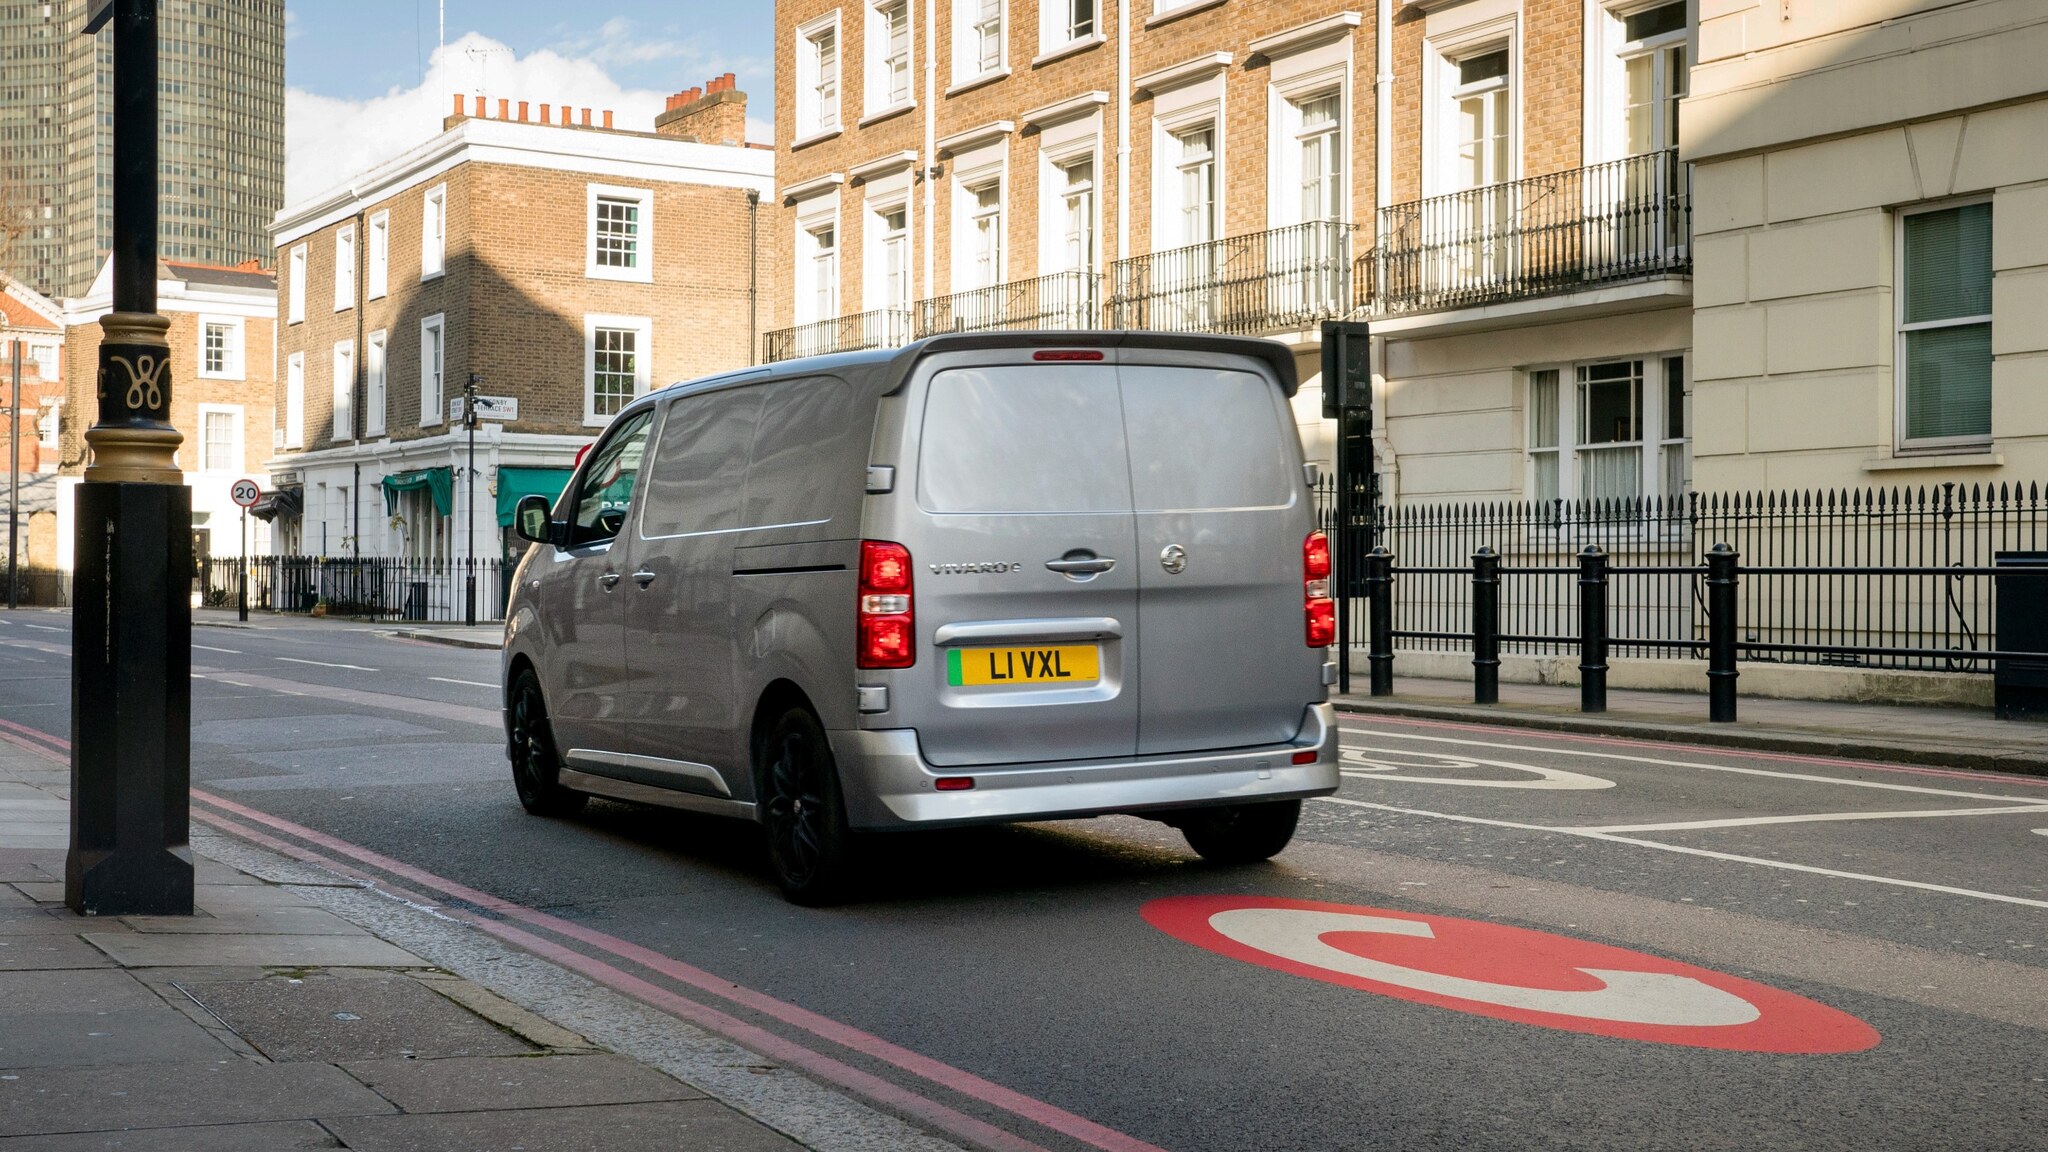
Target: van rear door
(1221,514)
(1022,551)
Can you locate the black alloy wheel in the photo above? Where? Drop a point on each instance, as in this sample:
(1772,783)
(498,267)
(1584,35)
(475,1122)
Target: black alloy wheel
(536,769)
(810,847)
(1241,833)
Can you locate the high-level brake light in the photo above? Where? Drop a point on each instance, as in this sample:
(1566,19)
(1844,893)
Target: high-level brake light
(1066,354)
(888,631)
(1319,611)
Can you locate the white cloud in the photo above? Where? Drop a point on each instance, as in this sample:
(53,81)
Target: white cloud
(328,141)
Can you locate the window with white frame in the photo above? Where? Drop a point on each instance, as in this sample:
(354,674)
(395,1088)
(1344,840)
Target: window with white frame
(888,41)
(433,358)
(375,393)
(821,271)
(379,277)
(1610,430)
(889,256)
(983,204)
(1076,217)
(817,87)
(978,45)
(220,348)
(295,401)
(220,438)
(1319,156)
(619,233)
(1482,137)
(615,364)
(1943,303)
(434,231)
(295,284)
(1653,60)
(1065,21)
(1194,204)
(344,390)
(344,267)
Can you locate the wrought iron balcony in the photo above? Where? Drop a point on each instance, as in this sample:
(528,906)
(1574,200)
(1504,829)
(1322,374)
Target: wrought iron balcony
(1270,281)
(1064,300)
(881,328)
(1622,220)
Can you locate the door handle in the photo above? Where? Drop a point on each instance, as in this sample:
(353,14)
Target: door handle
(643,577)
(1085,564)
(609,580)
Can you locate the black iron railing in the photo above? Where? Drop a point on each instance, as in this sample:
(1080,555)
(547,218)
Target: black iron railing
(1065,301)
(881,328)
(1288,277)
(371,587)
(1865,578)
(1622,220)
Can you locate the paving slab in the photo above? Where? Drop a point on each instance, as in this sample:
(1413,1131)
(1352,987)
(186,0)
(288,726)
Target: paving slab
(49,951)
(179,949)
(97,1039)
(255,919)
(31,919)
(677,1126)
(42,892)
(491,1083)
(222,897)
(354,1017)
(106,990)
(40,1101)
(290,1136)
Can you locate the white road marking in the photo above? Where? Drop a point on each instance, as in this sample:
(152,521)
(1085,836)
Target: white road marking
(1805,776)
(323,663)
(45,628)
(1687,851)
(1377,767)
(1629,997)
(471,683)
(1816,817)
(207,648)
(2041,831)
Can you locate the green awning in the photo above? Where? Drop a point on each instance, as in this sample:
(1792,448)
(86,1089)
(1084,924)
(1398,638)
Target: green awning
(439,481)
(514,483)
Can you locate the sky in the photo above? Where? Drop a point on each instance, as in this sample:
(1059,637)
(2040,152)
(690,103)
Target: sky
(365,79)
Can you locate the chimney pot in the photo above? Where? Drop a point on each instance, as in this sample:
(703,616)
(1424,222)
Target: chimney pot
(544,113)
(458,103)
(607,117)
(523,117)
(479,103)
(586,117)
(504,108)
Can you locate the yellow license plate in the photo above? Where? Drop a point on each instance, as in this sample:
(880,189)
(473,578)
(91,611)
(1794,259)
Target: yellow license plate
(1049,664)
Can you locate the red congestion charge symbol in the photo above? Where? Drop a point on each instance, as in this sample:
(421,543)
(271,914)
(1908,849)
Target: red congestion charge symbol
(1509,973)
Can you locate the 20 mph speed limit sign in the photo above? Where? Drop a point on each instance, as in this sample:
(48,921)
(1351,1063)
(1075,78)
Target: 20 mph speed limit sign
(246,493)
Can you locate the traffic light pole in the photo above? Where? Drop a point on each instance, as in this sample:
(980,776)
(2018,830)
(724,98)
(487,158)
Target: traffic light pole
(469,419)
(131,620)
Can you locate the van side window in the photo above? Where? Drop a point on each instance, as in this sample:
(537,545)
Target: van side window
(606,488)
(1204,438)
(808,426)
(1023,438)
(700,464)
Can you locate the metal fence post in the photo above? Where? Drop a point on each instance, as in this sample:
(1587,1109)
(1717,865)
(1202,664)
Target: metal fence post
(1485,626)
(1379,594)
(1592,629)
(1721,674)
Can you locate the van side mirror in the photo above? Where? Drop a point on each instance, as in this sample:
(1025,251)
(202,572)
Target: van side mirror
(530,519)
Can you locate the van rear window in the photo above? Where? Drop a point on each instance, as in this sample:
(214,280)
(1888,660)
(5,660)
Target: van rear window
(1204,438)
(1023,439)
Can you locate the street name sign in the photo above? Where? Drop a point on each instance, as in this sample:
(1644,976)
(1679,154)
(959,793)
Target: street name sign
(495,408)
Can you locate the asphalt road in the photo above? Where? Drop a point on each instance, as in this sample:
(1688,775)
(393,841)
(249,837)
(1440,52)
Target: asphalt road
(1793,953)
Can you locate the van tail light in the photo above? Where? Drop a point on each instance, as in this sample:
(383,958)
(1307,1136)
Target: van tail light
(888,630)
(1318,610)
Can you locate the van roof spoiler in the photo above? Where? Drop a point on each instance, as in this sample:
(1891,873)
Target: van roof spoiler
(1277,356)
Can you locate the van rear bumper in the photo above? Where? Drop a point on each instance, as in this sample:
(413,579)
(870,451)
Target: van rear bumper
(889,785)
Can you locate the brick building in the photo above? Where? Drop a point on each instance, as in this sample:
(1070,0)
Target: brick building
(222,337)
(566,265)
(1492,182)
(37,322)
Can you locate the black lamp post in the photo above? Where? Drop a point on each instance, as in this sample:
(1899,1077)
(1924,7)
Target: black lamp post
(131,620)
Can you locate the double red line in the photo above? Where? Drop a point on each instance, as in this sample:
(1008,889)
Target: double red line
(502,919)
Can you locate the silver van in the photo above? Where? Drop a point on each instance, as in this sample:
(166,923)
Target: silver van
(982,578)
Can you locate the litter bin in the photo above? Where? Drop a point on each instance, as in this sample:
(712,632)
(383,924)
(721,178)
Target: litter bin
(416,600)
(2020,687)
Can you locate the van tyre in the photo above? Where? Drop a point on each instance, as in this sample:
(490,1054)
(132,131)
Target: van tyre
(812,851)
(536,768)
(1241,833)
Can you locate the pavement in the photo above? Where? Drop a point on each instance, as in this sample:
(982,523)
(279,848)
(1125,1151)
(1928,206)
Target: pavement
(489,634)
(265,1021)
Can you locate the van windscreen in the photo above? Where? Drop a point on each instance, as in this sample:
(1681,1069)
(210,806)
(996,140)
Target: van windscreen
(1024,439)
